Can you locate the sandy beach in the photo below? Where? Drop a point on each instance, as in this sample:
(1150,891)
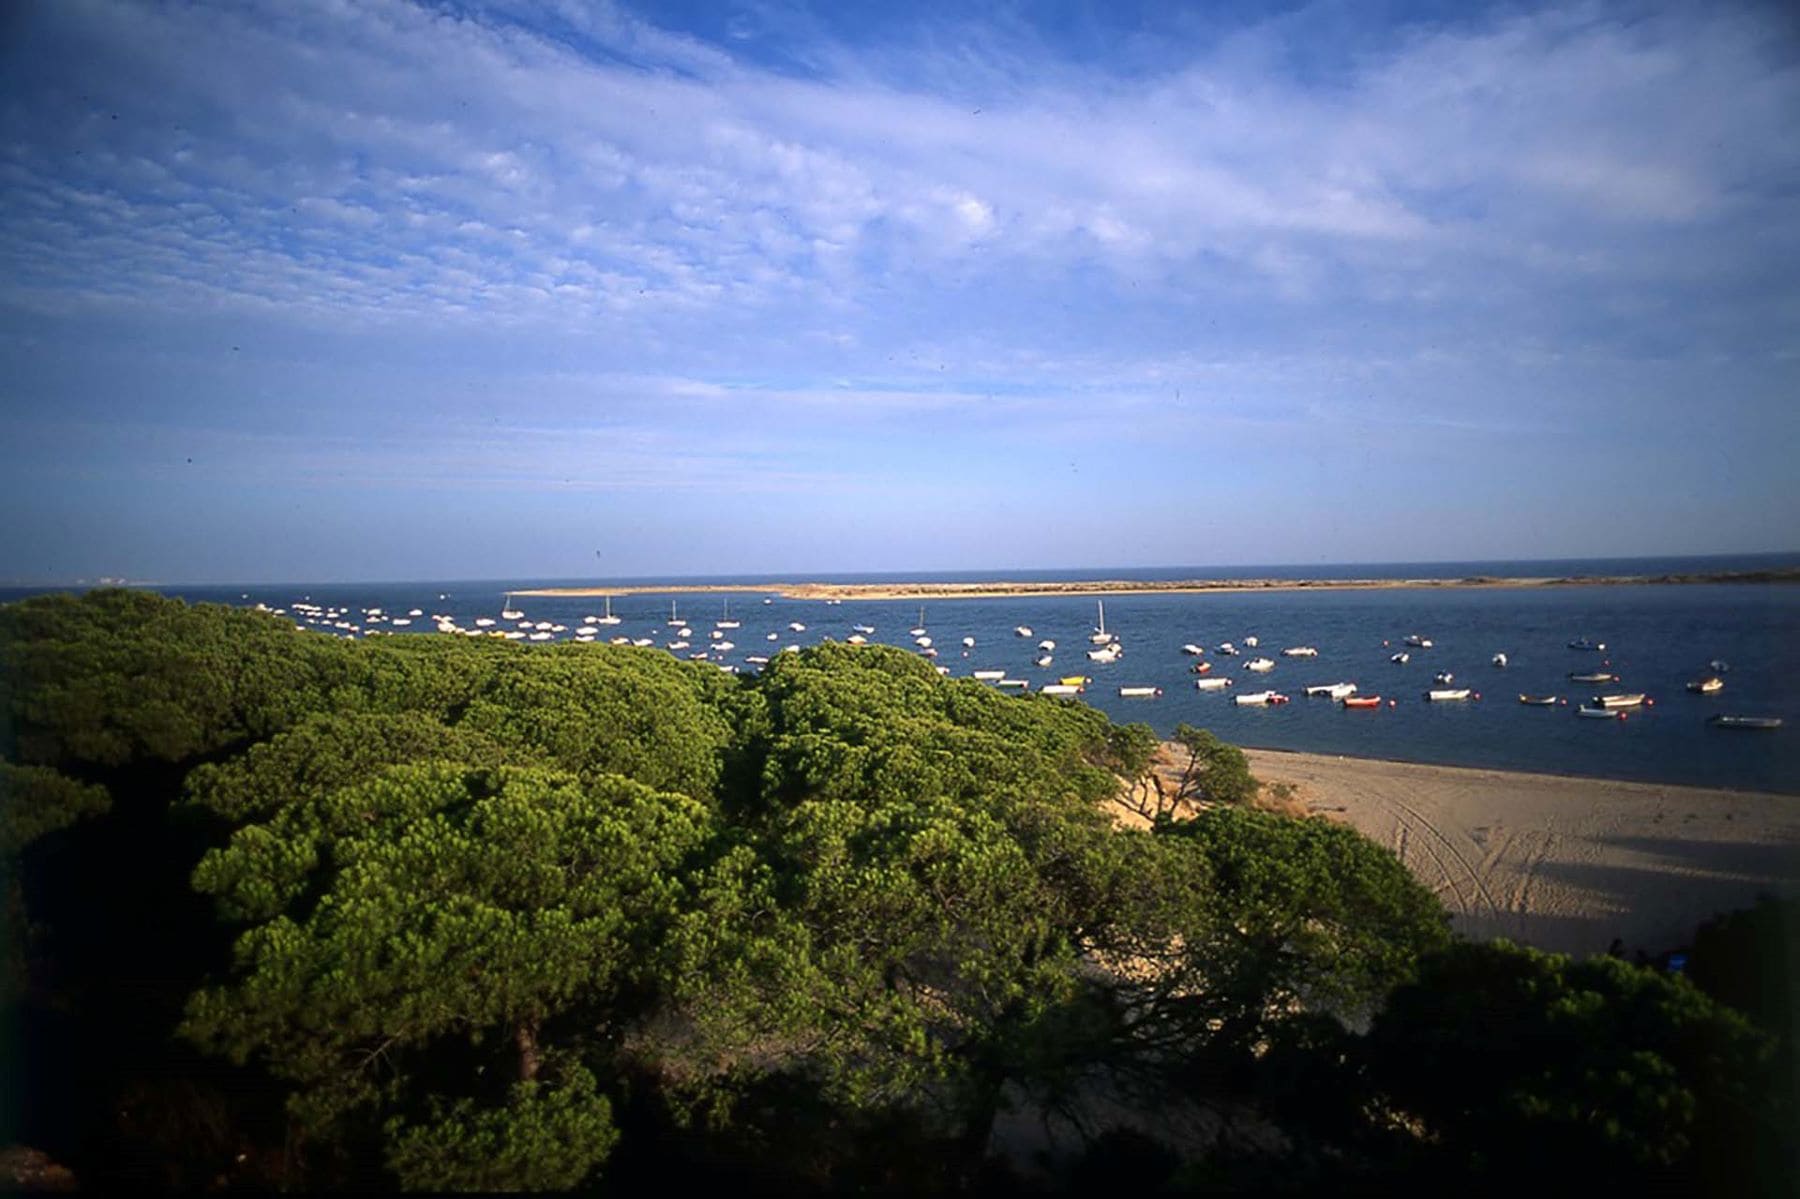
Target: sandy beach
(1564,864)
(1103,587)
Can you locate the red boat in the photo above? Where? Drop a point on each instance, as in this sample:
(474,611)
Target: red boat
(1362,701)
(1201,667)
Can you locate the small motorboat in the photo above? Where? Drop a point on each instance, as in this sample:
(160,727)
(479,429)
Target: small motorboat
(1540,701)
(1744,722)
(1044,660)
(1260,665)
(1334,690)
(1059,689)
(1139,692)
(1416,641)
(922,642)
(1584,643)
(1594,677)
(856,639)
(1259,699)
(1226,648)
(1075,680)
(968,643)
(1499,659)
(1443,678)
(1023,630)
(1619,701)
(1444,694)
(1299,651)
(1401,658)
(987,676)
(1046,645)
(1362,701)
(1251,642)
(1192,650)
(1109,653)
(1201,668)
(1601,713)
(1218,684)
(864,629)
(1017,684)
(1710,685)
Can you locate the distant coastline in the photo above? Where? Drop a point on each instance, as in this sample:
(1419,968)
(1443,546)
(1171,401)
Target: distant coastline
(1000,589)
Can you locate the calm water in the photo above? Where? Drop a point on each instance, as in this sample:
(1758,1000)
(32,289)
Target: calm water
(1658,638)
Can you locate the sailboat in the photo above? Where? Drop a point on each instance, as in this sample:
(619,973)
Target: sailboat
(508,612)
(920,631)
(1100,636)
(673,619)
(725,622)
(609,618)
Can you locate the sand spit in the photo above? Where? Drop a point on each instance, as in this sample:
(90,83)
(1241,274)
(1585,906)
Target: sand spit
(1564,864)
(1001,589)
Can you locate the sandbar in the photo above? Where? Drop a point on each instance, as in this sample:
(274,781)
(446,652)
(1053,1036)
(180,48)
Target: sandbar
(1569,865)
(1102,587)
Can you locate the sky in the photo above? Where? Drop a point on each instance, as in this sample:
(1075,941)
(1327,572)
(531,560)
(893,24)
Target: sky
(373,290)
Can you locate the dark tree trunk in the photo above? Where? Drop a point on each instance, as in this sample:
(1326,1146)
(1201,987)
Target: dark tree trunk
(526,1039)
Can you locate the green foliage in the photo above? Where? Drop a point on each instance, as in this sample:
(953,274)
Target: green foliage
(35,800)
(1215,772)
(1511,1057)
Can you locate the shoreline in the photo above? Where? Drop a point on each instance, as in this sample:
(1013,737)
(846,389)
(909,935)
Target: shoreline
(1002,589)
(1566,863)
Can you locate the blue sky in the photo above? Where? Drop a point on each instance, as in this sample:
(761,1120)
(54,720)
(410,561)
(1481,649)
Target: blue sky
(375,290)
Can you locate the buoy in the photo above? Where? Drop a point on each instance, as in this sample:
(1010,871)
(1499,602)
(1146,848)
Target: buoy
(1391,703)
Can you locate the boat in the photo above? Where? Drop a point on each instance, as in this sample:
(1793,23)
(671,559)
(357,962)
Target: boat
(609,618)
(508,612)
(1598,676)
(1711,685)
(725,621)
(1539,701)
(922,642)
(1744,722)
(1584,643)
(1362,701)
(1443,678)
(1059,689)
(484,622)
(856,639)
(1443,694)
(1139,692)
(1218,684)
(1601,713)
(773,637)
(1106,653)
(1401,658)
(1192,650)
(1019,684)
(1300,651)
(1045,660)
(586,630)
(1499,659)
(920,630)
(757,660)
(927,652)
(1100,636)
(641,642)
(1201,668)
(1260,665)
(677,644)
(1334,690)
(1075,680)
(968,643)
(1416,641)
(674,619)
(864,629)
(796,627)
(988,675)
(1046,645)
(1259,698)
(1250,641)
(1022,631)
(1226,648)
(1620,701)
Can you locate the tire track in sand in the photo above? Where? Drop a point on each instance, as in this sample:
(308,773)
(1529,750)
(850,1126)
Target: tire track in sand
(1444,873)
(1475,876)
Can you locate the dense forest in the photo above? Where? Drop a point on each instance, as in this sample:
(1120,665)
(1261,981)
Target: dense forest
(289,911)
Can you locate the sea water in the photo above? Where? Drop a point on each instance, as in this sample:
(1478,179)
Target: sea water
(1658,637)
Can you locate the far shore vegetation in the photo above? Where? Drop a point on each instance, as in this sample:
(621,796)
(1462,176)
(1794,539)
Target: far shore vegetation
(285,911)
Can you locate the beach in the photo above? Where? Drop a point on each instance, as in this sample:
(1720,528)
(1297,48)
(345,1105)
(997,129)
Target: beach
(1564,864)
(1001,589)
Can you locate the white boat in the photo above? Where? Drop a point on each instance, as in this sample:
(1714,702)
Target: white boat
(1139,692)
(1443,678)
(1022,631)
(1300,651)
(1442,694)
(1192,650)
(773,637)
(1619,701)
(856,639)
(1401,658)
(725,646)
(1260,665)
(1251,642)
(1211,684)
(796,627)
(928,652)
(1100,636)
(865,629)
(757,660)
(1018,684)
(920,631)
(1334,690)
(684,631)
(677,645)
(1600,713)
(641,642)
(922,642)
(674,620)
(1042,661)
(1416,641)
(1259,698)
(1707,686)
(609,618)
(508,612)
(1228,649)
(1046,645)
(988,676)
(968,643)
(540,636)
(1106,653)
(586,630)
(1058,689)
(1499,659)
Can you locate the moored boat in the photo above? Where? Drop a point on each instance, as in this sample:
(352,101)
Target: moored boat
(1443,694)
(1075,680)
(1416,641)
(1299,651)
(1227,649)
(1598,676)
(1044,660)
(1139,692)
(1499,659)
(1260,665)
(1443,678)
(1584,643)
(1600,713)
(1619,701)
(1192,650)
(1019,684)
(1259,698)
(1540,701)
(1711,685)
(1058,689)
(1744,722)
(1362,701)
(1218,684)
(1201,668)
(988,675)
(1401,658)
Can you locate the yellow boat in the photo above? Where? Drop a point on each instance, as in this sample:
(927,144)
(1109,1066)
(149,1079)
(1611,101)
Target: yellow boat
(1076,680)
